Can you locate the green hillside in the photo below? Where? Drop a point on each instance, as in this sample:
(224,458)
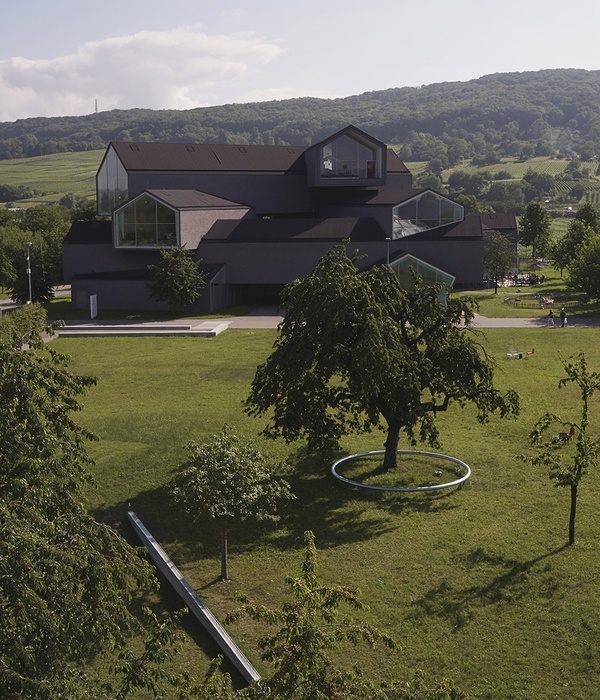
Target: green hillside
(548,112)
(53,176)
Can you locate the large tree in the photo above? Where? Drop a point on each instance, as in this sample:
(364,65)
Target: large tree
(589,215)
(65,579)
(356,351)
(534,228)
(584,268)
(45,254)
(499,258)
(569,455)
(177,279)
(568,247)
(224,480)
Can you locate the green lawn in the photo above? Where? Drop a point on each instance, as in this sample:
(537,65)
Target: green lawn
(474,584)
(55,175)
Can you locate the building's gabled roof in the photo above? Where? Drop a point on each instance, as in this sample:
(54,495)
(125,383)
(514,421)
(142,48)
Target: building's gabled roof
(193,199)
(394,164)
(204,157)
(187,157)
(293,230)
(499,222)
(353,131)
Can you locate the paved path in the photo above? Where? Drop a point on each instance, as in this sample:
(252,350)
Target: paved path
(537,322)
(270,317)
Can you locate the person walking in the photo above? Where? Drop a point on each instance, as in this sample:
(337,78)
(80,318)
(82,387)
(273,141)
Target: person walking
(550,321)
(563,317)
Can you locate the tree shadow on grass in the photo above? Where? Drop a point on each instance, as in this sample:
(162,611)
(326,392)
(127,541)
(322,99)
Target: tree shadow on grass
(340,514)
(176,532)
(508,581)
(336,513)
(166,604)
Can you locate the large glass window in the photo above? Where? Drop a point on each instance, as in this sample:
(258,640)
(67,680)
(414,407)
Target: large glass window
(146,223)
(346,157)
(407,265)
(425,211)
(111,183)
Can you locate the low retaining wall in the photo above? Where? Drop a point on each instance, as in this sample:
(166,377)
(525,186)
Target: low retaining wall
(229,648)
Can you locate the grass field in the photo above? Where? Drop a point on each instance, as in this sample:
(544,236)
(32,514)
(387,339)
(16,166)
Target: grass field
(474,584)
(501,304)
(518,168)
(55,175)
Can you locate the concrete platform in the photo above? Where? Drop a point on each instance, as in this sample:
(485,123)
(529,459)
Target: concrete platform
(207,329)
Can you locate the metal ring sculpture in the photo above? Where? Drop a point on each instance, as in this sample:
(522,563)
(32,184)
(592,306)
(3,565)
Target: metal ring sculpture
(434,487)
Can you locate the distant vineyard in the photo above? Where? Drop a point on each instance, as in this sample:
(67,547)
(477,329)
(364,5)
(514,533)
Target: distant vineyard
(517,169)
(562,189)
(592,192)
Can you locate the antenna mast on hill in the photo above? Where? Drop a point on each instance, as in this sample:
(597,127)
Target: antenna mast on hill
(96,105)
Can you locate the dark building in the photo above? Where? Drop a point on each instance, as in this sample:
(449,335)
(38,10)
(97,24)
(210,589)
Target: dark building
(258,217)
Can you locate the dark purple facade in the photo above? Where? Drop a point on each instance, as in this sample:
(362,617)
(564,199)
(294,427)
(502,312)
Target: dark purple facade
(258,217)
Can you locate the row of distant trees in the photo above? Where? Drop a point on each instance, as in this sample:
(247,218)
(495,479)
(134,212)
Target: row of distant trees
(501,192)
(34,237)
(577,252)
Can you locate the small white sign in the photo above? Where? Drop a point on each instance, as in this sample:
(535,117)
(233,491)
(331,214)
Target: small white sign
(93,305)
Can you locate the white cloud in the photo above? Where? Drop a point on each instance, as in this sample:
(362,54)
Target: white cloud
(174,69)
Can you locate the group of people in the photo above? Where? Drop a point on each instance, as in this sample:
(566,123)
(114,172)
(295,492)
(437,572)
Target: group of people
(531,278)
(563,318)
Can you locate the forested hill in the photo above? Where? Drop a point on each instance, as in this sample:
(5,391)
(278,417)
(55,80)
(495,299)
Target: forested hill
(542,112)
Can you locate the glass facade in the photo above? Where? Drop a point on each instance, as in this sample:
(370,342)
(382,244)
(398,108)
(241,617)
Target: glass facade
(347,157)
(409,265)
(111,183)
(146,223)
(423,212)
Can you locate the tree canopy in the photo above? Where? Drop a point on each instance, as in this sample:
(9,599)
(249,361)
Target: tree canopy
(65,579)
(584,268)
(500,257)
(568,247)
(569,455)
(177,279)
(534,228)
(356,351)
(225,480)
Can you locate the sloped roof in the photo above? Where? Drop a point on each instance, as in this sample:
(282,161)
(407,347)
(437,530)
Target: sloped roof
(500,222)
(293,230)
(204,157)
(394,164)
(194,199)
(186,157)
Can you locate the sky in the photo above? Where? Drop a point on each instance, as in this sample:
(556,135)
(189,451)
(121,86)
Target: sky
(64,57)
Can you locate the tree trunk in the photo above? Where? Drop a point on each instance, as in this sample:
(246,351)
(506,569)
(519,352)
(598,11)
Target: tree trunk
(391,446)
(572,514)
(224,567)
